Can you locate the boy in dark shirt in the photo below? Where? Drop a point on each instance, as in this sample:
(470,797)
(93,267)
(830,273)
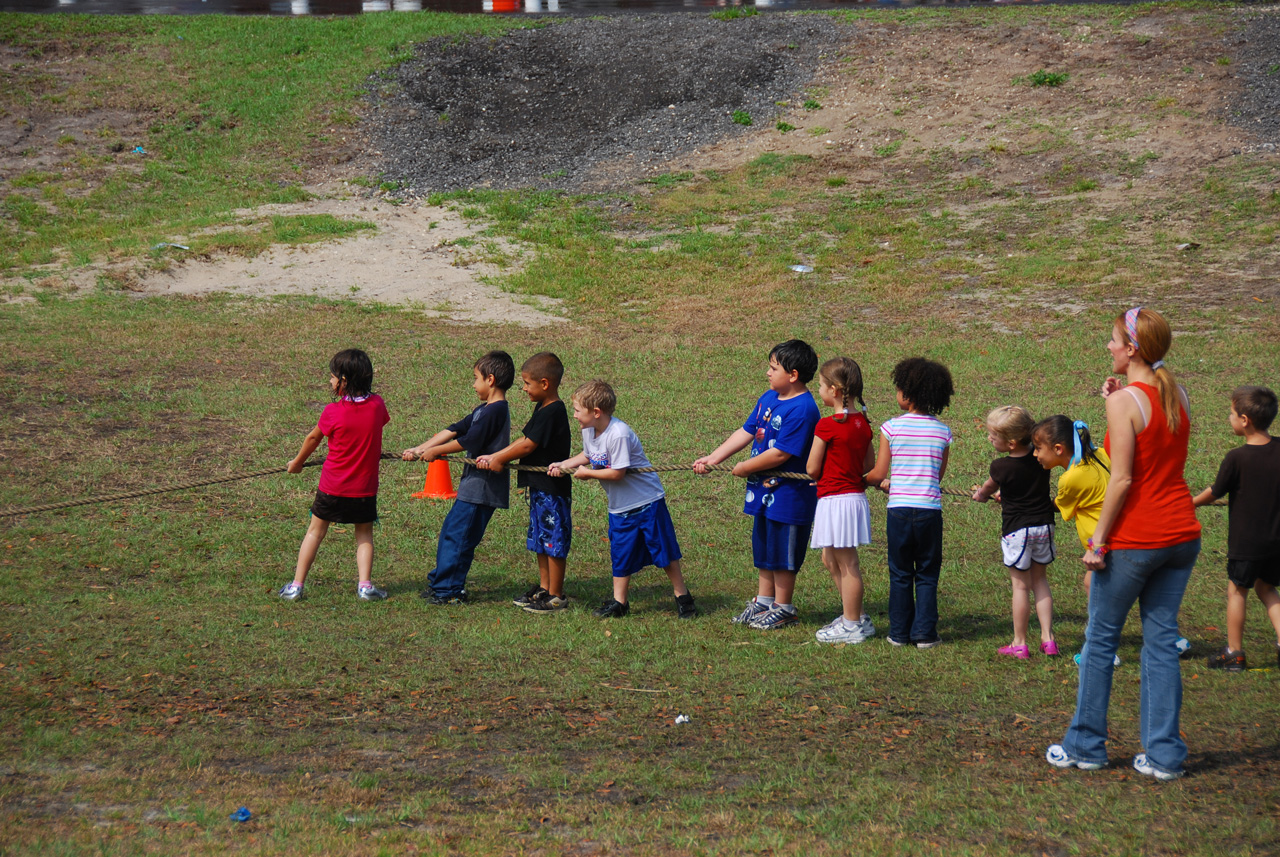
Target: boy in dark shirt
(486,429)
(1250,478)
(546,440)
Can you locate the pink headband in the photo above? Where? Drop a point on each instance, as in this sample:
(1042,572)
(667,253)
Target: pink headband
(1131,326)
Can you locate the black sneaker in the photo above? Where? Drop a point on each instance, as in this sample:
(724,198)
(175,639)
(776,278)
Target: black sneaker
(534,593)
(459,597)
(548,603)
(612,610)
(1232,662)
(685,608)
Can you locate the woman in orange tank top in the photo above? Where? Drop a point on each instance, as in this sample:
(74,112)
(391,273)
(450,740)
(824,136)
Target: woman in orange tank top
(1143,549)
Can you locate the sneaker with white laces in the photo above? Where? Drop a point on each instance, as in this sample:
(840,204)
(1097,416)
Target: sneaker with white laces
(1059,758)
(868,628)
(532,594)
(773,619)
(290,592)
(839,632)
(753,609)
(1143,765)
(371,593)
(834,623)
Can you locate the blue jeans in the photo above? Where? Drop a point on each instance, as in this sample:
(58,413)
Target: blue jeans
(1156,579)
(460,533)
(914,537)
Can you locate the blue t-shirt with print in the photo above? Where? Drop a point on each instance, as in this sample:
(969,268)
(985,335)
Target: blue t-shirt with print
(786,425)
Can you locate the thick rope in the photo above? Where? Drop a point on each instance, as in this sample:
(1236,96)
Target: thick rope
(389,456)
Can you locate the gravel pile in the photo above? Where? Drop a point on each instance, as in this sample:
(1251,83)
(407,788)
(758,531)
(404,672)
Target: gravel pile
(587,102)
(1257,61)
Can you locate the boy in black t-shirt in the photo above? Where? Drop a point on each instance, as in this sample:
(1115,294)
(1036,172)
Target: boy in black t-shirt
(1250,477)
(546,440)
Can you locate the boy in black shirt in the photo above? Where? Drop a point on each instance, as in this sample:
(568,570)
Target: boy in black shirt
(486,429)
(546,440)
(1250,477)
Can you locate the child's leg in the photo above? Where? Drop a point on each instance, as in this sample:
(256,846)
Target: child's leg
(676,578)
(901,555)
(848,580)
(364,552)
(928,529)
(784,586)
(832,565)
(460,534)
(1021,605)
(544,571)
(1236,605)
(1044,600)
(555,574)
(621,585)
(766,586)
(316,532)
(1271,600)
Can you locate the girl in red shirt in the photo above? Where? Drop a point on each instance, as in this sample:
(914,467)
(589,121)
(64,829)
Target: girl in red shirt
(348,492)
(840,455)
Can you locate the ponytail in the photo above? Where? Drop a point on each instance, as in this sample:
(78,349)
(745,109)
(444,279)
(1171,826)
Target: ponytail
(1148,332)
(1060,429)
(844,373)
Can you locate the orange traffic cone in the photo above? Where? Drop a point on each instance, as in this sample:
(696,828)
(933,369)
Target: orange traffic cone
(439,484)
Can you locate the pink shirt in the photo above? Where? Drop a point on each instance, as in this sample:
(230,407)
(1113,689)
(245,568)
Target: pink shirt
(354,430)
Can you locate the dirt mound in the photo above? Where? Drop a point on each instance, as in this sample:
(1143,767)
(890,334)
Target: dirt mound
(548,107)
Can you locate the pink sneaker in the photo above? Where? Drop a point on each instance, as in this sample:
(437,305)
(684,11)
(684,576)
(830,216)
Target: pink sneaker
(1022,653)
(1049,648)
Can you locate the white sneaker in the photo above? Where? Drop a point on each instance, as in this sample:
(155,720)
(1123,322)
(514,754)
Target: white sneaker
(1143,766)
(868,629)
(1059,758)
(290,592)
(834,623)
(839,632)
(371,593)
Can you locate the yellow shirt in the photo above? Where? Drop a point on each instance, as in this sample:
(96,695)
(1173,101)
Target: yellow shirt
(1081,490)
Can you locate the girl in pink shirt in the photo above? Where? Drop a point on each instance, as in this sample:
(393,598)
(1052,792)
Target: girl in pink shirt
(348,491)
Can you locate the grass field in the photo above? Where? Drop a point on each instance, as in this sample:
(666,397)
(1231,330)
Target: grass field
(150,682)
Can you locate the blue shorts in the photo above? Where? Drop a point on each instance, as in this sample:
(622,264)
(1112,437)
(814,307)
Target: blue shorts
(779,547)
(550,524)
(641,537)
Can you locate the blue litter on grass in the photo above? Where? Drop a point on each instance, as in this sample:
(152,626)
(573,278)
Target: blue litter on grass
(241,814)
(138,150)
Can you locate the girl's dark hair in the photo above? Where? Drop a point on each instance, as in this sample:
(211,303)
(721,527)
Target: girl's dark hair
(355,370)
(845,374)
(1062,429)
(925,384)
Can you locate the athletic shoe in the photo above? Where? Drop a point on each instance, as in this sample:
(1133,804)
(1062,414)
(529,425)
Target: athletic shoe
(928,644)
(371,593)
(290,592)
(1050,648)
(1022,653)
(685,608)
(868,627)
(753,609)
(1115,660)
(459,597)
(612,610)
(773,619)
(547,604)
(894,642)
(1058,757)
(834,623)
(1143,766)
(529,596)
(1232,662)
(1183,645)
(839,632)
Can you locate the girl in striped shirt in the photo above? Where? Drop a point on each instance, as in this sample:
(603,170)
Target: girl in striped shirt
(913,450)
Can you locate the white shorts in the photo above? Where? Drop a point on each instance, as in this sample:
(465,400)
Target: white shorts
(841,521)
(1030,544)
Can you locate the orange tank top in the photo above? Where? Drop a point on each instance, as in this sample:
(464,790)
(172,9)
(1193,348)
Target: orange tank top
(1158,512)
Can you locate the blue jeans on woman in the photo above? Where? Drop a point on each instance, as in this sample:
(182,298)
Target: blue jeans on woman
(1156,579)
(914,538)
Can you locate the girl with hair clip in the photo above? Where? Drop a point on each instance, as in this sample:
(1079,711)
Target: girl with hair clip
(1059,441)
(1143,549)
(840,455)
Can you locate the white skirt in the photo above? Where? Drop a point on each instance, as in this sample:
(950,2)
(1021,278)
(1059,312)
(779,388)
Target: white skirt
(841,521)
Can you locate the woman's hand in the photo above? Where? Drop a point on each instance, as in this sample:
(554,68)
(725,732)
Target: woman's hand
(1109,386)
(1093,560)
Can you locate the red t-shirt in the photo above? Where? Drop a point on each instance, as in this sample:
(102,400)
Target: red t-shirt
(847,444)
(1157,512)
(354,430)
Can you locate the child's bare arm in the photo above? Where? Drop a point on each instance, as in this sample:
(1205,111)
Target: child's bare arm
(440,438)
(770,459)
(880,472)
(817,455)
(495,460)
(605,474)
(983,492)
(558,468)
(736,442)
(309,445)
(1204,498)
(942,468)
